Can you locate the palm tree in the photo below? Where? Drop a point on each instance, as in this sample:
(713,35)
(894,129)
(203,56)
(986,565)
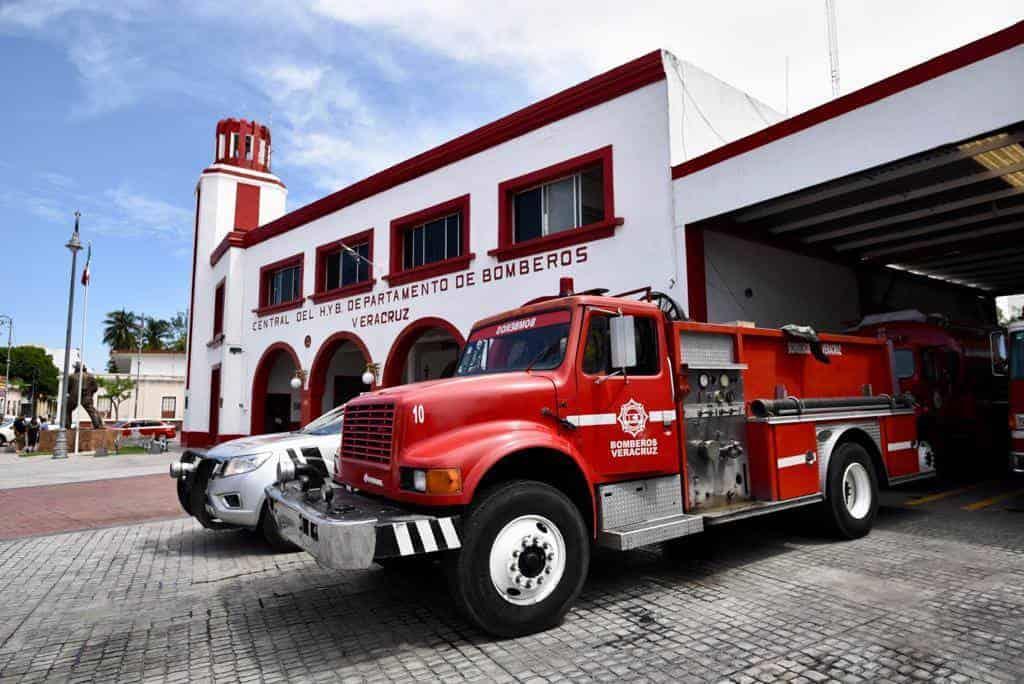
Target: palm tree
(155,334)
(119,330)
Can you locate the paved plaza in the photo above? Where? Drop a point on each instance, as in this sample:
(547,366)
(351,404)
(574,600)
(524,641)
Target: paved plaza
(935,593)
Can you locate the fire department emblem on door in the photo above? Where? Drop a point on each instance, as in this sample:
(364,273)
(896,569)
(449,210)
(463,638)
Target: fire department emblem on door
(633,418)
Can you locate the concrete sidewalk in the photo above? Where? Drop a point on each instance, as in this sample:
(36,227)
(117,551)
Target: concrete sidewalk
(35,471)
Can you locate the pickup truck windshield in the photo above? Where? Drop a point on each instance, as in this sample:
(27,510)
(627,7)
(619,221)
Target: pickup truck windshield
(327,424)
(531,342)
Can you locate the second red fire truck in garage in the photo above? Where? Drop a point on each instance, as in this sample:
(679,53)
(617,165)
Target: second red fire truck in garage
(584,419)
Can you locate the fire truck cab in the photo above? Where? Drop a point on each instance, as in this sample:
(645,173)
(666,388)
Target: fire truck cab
(586,419)
(954,374)
(1015,370)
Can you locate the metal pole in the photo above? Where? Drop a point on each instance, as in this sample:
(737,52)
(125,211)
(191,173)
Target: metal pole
(7,373)
(60,448)
(138,370)
(81,357)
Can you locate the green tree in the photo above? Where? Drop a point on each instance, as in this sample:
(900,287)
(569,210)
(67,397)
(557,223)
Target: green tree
(155,334)
(120,329)
(117,389)
(28,363)
(179,331)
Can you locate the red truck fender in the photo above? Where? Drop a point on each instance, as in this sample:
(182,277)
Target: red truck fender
(510,449)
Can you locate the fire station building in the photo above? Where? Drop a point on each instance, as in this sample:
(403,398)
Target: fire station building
(908,193)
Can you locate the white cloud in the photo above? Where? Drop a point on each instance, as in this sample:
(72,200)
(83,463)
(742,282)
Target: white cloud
(132,213)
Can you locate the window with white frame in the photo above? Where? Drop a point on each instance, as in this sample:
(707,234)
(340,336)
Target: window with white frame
(555,206)
(168,406)
(283,285)
(344,268)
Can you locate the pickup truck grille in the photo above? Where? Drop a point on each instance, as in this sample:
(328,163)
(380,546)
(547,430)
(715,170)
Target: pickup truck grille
(367,432)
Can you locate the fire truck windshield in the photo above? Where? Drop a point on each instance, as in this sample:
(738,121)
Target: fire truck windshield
(534,342)
(1017,355)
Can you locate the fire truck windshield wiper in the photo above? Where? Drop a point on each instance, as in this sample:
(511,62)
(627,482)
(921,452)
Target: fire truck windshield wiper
(549,347)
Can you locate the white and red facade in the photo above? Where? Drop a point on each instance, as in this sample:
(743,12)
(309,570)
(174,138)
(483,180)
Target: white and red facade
(278,301)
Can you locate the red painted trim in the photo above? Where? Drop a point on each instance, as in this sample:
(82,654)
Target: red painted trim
(620,81)
(320,293)
(247,206)
(235,238)
(219,298)
(965,55)
(399,353)
(267,271)
(696,276)
(192,293)
(322,361)
(509,249)
(257,408)
(248,176)
(402,276)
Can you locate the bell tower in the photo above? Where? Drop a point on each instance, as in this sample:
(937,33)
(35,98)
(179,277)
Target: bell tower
(236,194)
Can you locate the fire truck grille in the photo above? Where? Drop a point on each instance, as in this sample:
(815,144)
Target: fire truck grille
(367,432)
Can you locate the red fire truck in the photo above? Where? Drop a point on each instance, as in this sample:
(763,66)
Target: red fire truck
(952,371)
(1015,339)
(587,419)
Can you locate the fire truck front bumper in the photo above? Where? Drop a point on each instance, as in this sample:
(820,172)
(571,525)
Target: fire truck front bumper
(345,530)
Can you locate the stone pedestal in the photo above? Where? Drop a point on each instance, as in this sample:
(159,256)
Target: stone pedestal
(88,441)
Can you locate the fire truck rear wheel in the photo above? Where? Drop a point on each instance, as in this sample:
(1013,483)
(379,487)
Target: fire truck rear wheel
(852,491)
(524,558)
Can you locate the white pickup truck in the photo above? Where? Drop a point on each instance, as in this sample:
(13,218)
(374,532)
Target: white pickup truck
(223,487)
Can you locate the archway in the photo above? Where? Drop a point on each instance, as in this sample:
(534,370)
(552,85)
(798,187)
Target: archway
(276,407)
(426,350)
(336,375)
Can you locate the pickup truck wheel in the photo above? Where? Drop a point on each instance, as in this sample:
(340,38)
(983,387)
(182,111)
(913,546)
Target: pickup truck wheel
(524,558)
(852,491)
(272,533)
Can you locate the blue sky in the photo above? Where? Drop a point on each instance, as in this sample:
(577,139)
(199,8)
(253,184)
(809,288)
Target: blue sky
(110,107)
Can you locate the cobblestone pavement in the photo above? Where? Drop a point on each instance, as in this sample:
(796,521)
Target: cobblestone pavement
(26,511)
(935,593)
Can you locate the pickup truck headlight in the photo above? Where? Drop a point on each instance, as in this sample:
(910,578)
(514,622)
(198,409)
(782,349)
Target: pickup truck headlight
(432,481)
(244,464)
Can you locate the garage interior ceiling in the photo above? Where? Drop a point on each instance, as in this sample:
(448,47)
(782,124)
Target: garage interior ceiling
(955,213)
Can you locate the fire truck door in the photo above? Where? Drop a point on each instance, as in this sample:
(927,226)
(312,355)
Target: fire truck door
(625,418)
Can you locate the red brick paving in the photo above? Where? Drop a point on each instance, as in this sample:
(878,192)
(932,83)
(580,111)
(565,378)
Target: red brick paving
(29,511)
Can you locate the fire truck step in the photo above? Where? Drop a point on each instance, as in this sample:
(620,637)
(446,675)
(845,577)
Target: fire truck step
(650,532)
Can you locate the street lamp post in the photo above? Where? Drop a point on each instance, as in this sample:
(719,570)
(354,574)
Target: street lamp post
(4,318)
(60,448)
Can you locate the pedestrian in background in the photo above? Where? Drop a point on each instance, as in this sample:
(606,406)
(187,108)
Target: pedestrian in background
(19,434)
(44,424)
(33,435)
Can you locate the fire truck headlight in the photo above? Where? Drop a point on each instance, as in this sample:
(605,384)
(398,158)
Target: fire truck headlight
(1020,421)
(432,481)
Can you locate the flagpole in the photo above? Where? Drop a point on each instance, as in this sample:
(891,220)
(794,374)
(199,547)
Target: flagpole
(81,348)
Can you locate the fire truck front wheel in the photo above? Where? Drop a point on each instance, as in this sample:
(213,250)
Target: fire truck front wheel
(524,558)
(852,491)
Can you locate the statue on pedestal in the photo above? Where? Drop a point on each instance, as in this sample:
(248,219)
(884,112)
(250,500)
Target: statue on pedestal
(89,389)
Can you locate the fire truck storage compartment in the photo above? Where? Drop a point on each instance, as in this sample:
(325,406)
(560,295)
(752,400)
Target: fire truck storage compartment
(901,454)
(783,460)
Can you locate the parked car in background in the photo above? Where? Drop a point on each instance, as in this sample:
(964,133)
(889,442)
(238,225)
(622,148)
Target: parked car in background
(6,432)
(223,487)
(146,428)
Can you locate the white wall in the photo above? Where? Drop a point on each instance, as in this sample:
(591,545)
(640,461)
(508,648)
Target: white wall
(786,287)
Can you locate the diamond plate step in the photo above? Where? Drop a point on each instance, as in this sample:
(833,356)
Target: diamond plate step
(650,532)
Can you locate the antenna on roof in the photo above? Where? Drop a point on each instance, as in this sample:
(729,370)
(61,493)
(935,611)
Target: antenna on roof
(833,44)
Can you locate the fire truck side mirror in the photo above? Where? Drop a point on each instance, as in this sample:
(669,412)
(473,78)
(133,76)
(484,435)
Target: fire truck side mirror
(622,330)
(997,344)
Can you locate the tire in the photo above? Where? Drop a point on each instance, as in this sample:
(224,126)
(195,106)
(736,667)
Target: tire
(184,494)
(502,519)
(272,534)
(852,491)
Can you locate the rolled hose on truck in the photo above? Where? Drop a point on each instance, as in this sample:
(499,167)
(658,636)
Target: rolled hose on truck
(794,406)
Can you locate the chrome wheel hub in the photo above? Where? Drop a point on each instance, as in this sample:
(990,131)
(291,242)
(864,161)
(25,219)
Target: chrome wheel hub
(527,560)
(857,492)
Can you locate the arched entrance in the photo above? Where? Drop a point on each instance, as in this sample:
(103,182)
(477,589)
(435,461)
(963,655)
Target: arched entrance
(336,375)
(427,349)
(276,407)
